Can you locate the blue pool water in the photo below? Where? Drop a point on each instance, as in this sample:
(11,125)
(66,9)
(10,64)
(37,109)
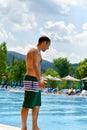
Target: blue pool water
(56,113)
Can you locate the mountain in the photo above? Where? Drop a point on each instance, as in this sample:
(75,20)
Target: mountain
(17,56)
(44,64)
(75,65)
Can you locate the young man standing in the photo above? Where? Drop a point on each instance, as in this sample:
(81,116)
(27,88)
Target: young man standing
(33,82)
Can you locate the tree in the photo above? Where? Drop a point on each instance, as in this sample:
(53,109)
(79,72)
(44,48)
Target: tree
(63,66)
(17,69)
(3,58)
(81,70)
(51,72)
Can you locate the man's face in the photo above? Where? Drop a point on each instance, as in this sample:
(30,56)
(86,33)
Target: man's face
(45,46)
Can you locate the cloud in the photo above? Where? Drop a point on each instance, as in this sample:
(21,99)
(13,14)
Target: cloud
(5,36)
(59,31)
(50,54)
(74,57)
(54,7)
(64,6)
(17,15)
(81,37)
(81,3)
(24,14)
(22,50)
(68,3)
(43,17)
(84,27)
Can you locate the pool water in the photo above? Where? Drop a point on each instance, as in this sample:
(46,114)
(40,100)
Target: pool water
(56,113)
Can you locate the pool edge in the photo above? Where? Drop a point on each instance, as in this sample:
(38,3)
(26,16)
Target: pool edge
(8,127)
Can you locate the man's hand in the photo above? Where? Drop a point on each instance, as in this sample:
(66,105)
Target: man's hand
(41,84)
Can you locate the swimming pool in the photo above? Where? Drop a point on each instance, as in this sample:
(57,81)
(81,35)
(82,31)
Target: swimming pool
(56,113)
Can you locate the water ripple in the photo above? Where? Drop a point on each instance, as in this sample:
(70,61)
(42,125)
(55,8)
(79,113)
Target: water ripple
(57,111)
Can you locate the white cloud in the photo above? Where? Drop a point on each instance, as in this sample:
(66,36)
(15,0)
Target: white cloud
(59,31)
(17,15)
(4,36)
(68,3)
(64,5)
(3,33)
(25,15)
(48,55)
(84,27)
(52,54)
(74,57)
(81,38)
(81,3)
(19,49)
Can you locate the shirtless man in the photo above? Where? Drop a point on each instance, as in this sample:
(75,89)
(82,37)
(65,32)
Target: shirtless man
(33,83)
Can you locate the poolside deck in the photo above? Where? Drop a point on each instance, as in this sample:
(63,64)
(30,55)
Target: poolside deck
(7,127)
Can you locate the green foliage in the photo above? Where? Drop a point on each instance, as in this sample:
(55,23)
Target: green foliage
(81,70)
(53,83)
(51,72)
(3,58)
(63,66)
(17,69)
(65,85)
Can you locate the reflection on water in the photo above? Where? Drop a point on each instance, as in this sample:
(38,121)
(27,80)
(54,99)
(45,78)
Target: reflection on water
(56,113)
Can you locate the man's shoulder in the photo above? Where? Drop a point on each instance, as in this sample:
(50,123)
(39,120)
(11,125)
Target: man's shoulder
(32,50)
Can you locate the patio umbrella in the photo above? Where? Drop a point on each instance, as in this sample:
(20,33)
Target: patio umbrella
(49,77)
(70,78)
(84,79)
(57,79)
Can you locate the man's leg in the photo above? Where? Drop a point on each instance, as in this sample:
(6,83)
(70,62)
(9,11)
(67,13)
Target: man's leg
(35,112)
(24,114)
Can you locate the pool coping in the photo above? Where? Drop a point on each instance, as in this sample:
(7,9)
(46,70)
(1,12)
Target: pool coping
(7,127)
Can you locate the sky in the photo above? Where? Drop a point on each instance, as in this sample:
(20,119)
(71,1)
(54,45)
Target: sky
(22,22)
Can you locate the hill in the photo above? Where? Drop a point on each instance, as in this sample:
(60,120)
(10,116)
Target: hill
(17,56)
(44,64)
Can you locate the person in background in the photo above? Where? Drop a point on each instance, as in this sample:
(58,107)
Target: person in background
(33,82)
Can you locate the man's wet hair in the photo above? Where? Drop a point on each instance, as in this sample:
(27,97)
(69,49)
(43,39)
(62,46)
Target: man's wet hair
(44,38)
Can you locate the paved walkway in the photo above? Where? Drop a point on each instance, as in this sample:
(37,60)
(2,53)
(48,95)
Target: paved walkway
(7,127)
